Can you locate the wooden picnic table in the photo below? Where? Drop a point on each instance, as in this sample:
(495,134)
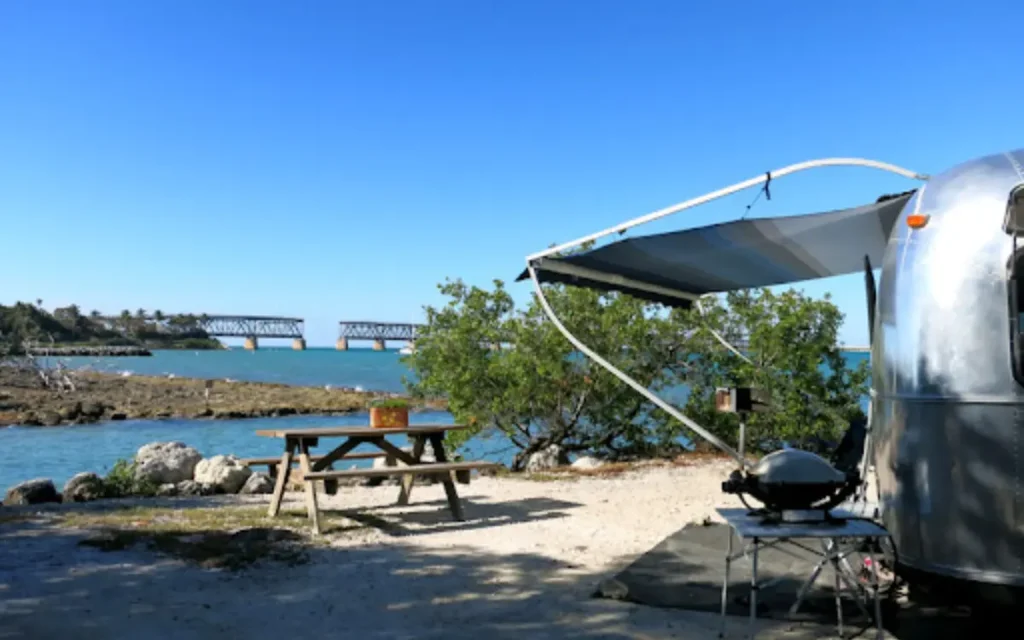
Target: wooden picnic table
(300,441)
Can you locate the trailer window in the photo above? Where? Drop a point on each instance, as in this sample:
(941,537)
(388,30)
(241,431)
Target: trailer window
(1015,286)
(1013,226)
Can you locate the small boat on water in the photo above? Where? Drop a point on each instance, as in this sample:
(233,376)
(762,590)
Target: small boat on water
(406,350)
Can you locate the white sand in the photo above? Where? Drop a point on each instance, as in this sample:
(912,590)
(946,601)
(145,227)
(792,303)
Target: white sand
(523,565)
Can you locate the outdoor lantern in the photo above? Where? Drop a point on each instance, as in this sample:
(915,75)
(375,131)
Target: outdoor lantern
(741,400)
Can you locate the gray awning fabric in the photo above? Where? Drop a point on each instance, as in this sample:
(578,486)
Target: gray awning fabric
(743,254)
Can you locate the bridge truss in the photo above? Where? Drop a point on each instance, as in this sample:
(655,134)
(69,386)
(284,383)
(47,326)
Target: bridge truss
(252,326)
(366,330)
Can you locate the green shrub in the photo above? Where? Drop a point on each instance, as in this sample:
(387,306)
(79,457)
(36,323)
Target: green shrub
(389,403)
(121,481)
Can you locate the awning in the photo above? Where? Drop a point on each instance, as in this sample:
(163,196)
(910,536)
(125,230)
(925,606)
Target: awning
(674,268)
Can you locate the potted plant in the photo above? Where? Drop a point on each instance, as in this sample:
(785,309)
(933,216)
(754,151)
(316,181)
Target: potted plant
(389,413)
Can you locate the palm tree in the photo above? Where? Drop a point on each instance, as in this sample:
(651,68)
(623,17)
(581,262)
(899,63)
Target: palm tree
(126,320)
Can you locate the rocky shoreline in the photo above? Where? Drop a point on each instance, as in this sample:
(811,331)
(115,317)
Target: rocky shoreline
(172,469)
(99,397)
(157,469)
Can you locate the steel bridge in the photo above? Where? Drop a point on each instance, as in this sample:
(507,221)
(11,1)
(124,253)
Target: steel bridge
(225,326)
(379,332)
(251,326)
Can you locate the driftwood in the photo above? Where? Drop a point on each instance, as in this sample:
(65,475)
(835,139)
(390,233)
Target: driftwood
(56,376)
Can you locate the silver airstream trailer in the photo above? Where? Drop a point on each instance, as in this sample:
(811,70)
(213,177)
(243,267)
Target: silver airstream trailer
(946,420)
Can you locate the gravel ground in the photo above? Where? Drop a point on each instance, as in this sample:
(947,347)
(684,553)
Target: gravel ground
(524,564)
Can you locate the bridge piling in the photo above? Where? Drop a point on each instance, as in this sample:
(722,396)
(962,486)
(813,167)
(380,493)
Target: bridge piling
(341,344)
(252,343)
(379,345)
(299,344)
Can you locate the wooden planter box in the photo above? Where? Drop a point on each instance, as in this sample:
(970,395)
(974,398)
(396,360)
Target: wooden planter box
(389,417)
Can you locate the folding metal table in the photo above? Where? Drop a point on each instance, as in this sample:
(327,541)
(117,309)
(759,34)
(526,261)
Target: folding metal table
(834,537)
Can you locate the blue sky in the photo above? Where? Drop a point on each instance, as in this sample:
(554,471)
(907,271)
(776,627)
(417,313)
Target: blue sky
(336,160)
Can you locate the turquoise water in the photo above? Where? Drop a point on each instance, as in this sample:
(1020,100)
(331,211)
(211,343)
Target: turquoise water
(60,452)
(357,368)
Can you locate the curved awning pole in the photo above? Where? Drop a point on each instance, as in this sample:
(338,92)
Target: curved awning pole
(639,388)
(721,193)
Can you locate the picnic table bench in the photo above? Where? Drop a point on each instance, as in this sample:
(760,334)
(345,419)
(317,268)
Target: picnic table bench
(300,441)
(273,462)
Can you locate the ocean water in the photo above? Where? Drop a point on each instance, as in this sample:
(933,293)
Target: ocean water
(60,452)
(356,368)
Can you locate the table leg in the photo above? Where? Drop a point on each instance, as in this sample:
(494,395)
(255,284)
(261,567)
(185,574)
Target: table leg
(725,585)
(408,479)
(880,634)
(806,586)
(281,479)
(327,462)
(437,444)
(311,506)
(753,589)
(849,577)
(838,586)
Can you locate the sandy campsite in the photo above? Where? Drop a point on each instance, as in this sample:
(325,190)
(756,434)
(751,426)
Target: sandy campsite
(524,564)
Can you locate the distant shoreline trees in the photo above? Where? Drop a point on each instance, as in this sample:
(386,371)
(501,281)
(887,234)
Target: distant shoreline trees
(24,322)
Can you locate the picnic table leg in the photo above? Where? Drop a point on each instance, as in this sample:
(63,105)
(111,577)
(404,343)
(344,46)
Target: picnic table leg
(437,444)
(311,507)
(407,480)
(282,478)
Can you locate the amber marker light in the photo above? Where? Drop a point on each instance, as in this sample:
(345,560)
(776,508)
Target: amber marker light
(917,220)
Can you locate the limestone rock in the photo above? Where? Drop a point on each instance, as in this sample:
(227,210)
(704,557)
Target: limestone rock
(84,487)
(382,463)
(545,459)
(91,410)
(257,483)
(168,490)
(166,462)
(29,419)
(49,418)
(71,412)
(587,462)
(193,488)
(36,491)
(226,474)
(427,457)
